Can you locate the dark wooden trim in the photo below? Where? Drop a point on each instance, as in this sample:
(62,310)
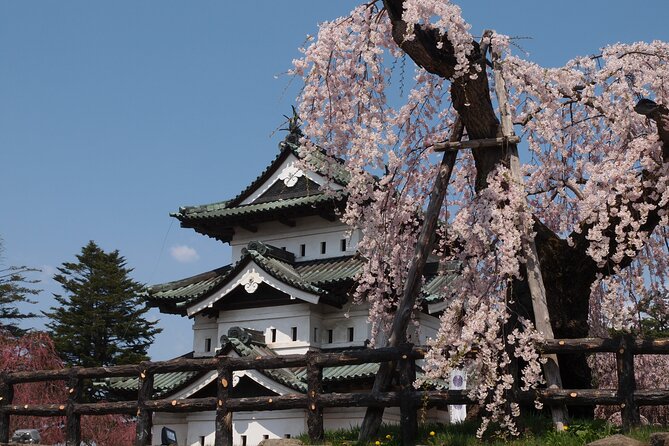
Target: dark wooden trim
(6,398)
(408,407)
(223,427)
(144,413)
(627,383)
(73,419)
(314,390)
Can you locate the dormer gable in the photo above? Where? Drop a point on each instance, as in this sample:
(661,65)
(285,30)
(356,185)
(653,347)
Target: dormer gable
(285,190)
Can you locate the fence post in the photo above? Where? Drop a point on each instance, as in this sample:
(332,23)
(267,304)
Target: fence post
(73,419)
(407,377)
(314,390)
(627,382)
(223,435)
(144,415)
(6,397)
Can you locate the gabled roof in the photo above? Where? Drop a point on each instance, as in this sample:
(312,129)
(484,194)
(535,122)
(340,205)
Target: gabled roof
(317,277)
(329,279)
(302,197)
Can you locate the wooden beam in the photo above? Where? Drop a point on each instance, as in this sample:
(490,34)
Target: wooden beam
(6,397)
(144,414)
(534,278)
(476,143)
(223,426)
(73,419)
(627,383)
(424,244)
(408,408)
(314,390)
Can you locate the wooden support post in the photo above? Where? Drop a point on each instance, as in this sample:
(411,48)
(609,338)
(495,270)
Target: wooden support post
(627,383)
(424,246)
(223,435)
(314,390)
(73,419)
(408,410)
(144,415)
(534,278)
(6,397)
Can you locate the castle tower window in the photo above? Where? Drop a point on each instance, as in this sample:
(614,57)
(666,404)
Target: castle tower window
(323,247)
(273,334)
(330,336)
(350,334)
(201,440)
(342,244)
(207,345)
(315,334)
(303,250)
(293,332)
(243,440)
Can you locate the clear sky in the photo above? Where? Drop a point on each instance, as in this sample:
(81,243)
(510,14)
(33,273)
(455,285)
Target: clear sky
(113,114)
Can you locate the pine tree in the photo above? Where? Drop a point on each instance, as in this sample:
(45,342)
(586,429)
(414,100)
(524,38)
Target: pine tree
(15,287)
(100,320)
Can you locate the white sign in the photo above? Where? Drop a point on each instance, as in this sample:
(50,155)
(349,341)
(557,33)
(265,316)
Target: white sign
(457,381)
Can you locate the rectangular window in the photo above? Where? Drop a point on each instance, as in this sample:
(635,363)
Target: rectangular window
(293,331)
(330,336)
(303,250)
(243,440)
(207,345)
(323,247)
(265,437)
(342,244)
(286,435)
(350,334)
(315,334)
(273,332)
(201,440)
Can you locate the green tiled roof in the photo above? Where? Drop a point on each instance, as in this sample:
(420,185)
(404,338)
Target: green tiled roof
(163,383)
(223,210)
(314,276)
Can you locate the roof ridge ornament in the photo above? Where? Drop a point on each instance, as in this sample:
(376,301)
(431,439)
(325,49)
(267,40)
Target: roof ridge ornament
(294,131)
(267,250)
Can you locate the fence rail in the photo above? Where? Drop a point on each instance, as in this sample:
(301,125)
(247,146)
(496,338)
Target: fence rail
(405,397)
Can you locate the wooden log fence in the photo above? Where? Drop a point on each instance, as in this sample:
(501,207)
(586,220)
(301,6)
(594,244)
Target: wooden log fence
(408,399)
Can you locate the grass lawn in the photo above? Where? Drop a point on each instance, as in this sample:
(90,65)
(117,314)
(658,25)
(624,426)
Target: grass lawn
(535,432)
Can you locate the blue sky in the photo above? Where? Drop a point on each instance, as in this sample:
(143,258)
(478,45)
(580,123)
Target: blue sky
(114,114)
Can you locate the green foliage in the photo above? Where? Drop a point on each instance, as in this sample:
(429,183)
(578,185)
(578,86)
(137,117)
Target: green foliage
(100,320)
(536,431)
(15,287)
(654,316)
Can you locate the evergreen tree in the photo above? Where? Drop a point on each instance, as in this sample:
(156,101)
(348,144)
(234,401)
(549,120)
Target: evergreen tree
(15,287)
(100,320)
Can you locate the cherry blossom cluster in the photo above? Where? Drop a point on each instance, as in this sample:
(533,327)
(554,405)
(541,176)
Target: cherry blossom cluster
(594,171)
